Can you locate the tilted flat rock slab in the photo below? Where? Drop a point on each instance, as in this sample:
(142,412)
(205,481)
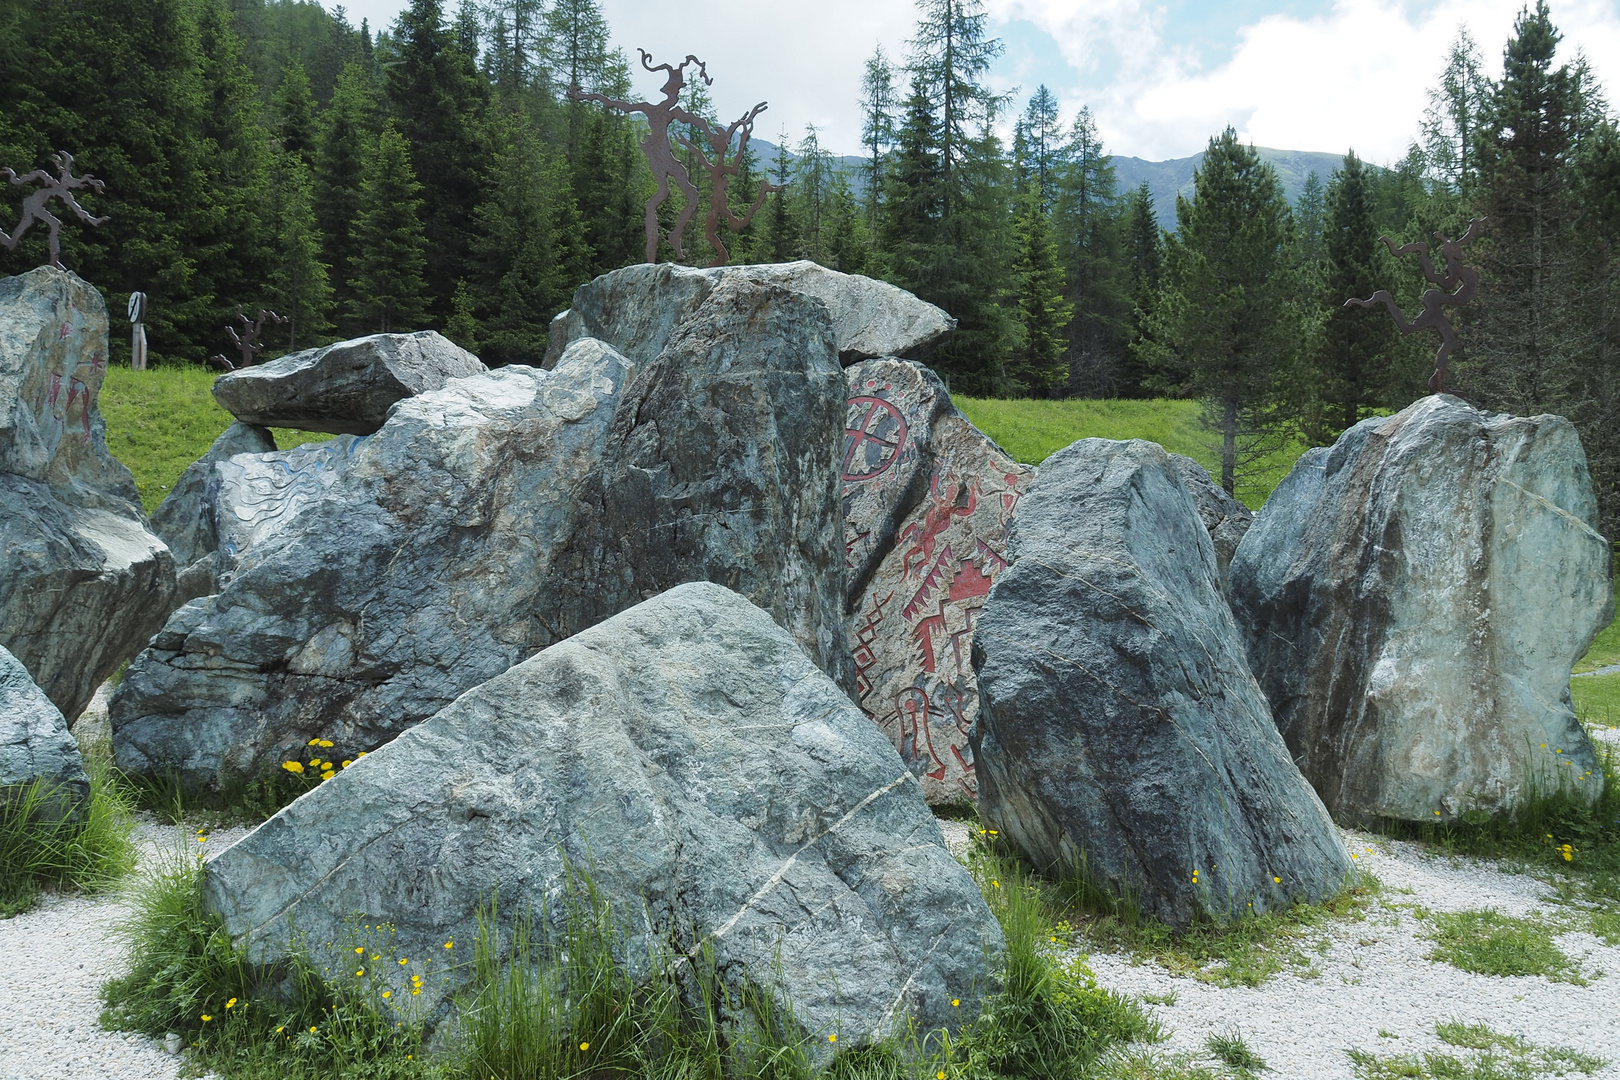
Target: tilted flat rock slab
(185,519)
(638,308)
(722,466)
(346,388)
(35,744)
(928,500)
(83,581)
(1413,600)
(690,756)
(1120,732)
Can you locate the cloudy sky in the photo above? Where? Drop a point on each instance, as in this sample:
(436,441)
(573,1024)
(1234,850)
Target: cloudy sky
(1161,76)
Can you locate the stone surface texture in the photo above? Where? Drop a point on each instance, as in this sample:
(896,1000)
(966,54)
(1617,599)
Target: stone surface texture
(1413,600)
(84,581)
(928,500)
(185,519)
(497,516)
(1120,732)
(722,465)
(720,789)
(346,388)
(35,744)
(256,495)
(1225,518)
(637,309)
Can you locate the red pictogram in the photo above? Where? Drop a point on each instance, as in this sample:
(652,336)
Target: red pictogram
(873,439)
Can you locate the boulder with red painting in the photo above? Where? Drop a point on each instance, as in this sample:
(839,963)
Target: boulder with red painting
(928,499)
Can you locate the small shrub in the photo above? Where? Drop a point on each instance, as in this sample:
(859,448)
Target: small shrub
(90,851)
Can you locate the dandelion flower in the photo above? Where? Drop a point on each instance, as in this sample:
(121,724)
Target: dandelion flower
(346,764)
(293,766)
(832,1038)
(313,1028)
(387,993)
(313,742)
(955,1002)
(323,742)
(416,989)
(359,950)
(997,884)
(360,974)
(584,1046)
(231,1004)
(449,944)
(1278,880)
(206,1018)
(201,839)
(403,960)
(940,1075)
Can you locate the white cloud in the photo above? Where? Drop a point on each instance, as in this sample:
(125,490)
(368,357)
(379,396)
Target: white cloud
(1356,75)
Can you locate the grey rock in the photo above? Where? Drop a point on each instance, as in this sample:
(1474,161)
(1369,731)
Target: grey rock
(723,466)
(35,745)
(1120,732)
(497,516)
(415,575)
(637,309)
(346,388)
(185,519)
(1413,599)
(720,789)
(84,581)
(928,500)
(1226,519)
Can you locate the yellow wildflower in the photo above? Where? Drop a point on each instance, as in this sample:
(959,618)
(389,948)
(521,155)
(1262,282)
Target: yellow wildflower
(206,1018)
(832,1038)
(449,944)
(293,766)
(387,993)
(231,1004)
(584,1046)
(955,1002)
(323,742)
(313,742)
(1278,880)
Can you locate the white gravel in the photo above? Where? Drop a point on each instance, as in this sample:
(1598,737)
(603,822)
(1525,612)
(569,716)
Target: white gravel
(1372,977)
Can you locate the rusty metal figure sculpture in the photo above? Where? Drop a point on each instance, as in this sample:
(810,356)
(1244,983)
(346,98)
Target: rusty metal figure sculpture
(725,164)
(1458,285)
(660,155)
(62,186)
(246,339)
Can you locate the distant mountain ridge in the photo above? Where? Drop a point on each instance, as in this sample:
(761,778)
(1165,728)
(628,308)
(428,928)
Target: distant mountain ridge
(1165,179)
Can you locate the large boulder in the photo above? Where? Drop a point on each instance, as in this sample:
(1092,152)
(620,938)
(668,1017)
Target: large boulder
(1225,519)
(720,790)
(722,465)
(1120,733)
(256,495)
(1413,600)
(498,516)
(637,309)
(416,574)
(84,581)
(345,388)
(928,499)
(185,519)
(35,745)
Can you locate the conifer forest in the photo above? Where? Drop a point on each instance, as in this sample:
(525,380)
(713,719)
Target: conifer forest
(434,174)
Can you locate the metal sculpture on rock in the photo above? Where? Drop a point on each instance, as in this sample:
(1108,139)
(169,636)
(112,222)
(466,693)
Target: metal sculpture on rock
(721,162)
(245,336)
(1458,285)
(62,186)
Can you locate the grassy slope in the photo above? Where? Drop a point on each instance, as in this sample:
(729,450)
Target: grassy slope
(1033,430)
(160,421)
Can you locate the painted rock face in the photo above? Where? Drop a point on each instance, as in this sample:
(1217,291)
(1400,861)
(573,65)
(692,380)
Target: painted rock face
(928,499)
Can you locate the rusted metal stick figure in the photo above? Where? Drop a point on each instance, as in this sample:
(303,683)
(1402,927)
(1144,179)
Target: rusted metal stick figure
(1458,285)
(665,167)
(721,169)
(247,339)
(61,186)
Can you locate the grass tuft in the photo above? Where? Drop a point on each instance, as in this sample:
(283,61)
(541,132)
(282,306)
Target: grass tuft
(1489,1055)
(39,848)
(1230,1049)
(1486,942)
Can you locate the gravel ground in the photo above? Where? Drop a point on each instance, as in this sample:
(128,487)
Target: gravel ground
(1374,989)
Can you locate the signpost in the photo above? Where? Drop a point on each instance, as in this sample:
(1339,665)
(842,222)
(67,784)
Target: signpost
(137,338)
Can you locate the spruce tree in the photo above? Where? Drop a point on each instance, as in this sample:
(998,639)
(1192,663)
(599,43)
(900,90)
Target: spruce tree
(295,113)
(298,286)
(844,229)
(1310,219)
(1142,244)
(1040,309)
(780,243)
(1044,152)
(811,189)
(438,98)
(1353,371)
(1227,312)
(1087,223)
(390,245)
(346,129)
